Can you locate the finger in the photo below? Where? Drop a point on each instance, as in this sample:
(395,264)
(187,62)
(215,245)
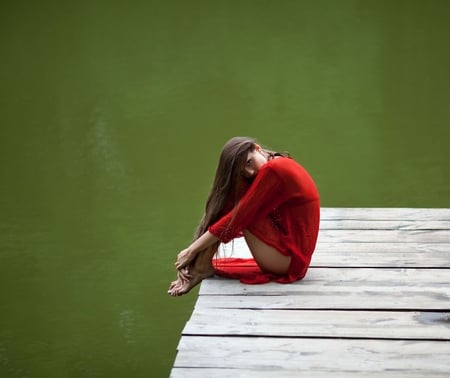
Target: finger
(184,274)
(180,265)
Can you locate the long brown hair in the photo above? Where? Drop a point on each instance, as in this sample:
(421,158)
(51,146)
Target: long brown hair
(229,183)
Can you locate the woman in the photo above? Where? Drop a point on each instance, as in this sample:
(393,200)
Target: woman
(264,196)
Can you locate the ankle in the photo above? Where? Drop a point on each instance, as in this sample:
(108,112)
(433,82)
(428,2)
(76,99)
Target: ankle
(202,268)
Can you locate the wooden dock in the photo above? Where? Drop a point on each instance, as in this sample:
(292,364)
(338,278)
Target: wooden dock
(375,303)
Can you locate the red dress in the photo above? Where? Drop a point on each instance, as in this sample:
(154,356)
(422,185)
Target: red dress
(281,208)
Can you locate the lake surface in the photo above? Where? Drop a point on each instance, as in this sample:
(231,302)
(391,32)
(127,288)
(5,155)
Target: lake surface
(112,118)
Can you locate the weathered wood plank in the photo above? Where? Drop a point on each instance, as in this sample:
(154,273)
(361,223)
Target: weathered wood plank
(380,259)
(336,288)
(237,372)
(386,248)
(345,224)
(379,213)
(411,255)
(342,280)
(328,356)
(357,300)
(313,323)
(384,236)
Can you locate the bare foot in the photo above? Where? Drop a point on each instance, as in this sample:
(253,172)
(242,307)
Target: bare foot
(191,275)
(183,286)
(182,276)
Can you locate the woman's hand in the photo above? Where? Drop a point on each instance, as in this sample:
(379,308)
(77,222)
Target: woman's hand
(184,258)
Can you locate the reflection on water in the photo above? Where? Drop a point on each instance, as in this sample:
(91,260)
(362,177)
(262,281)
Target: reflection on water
(112,118)
(105,149)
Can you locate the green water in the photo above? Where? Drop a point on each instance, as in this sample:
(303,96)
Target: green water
(112,115)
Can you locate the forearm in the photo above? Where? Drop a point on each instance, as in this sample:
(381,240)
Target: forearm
(186,256)
(203,242)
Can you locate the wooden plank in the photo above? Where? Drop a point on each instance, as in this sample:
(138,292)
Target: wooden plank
(341,280)
(380,259)
(261,373)
(327,324)
(327,356)
(357,300)
(385,213)
(345,288)
(434,255)
(386,248)
(269,373)
(384,236)
(344,224)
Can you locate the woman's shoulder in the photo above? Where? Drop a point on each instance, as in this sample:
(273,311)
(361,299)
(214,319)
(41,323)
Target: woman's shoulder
(286,167)
(282,162)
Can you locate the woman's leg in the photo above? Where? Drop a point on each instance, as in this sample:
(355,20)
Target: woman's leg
(268,258)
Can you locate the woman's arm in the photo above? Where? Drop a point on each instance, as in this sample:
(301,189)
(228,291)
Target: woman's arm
(188,255)
(265,194)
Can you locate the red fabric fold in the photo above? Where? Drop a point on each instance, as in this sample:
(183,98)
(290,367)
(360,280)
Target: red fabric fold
(245,270)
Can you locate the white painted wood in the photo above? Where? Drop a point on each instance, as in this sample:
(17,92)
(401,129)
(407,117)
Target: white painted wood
(365,259)
(385,213)
(384,236)
(341,280)
(339,224)
(364,254)
(344,300)
(261,373)
(425,249)
(313,323)
(336,288)
(328,356)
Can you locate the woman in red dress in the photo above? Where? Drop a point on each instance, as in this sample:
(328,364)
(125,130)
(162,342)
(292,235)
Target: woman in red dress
(266,197)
